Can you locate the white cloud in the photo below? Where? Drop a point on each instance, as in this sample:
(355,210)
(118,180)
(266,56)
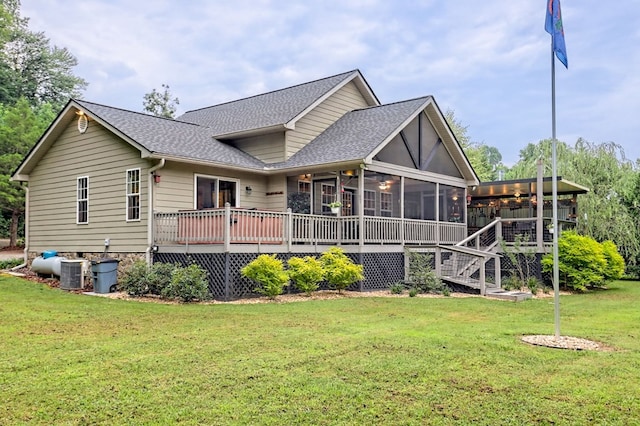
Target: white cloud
(489,61)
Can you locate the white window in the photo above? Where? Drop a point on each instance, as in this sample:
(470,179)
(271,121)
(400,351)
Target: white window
(386,204)
(304,186)
(328,196)
(212,192)
(133,194)
(82,197)
(369,202)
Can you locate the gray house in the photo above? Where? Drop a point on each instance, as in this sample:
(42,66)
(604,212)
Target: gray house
(264,174)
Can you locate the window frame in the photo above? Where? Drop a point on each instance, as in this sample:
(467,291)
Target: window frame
(80,200)
(132,195)
(217,180)
(368,210)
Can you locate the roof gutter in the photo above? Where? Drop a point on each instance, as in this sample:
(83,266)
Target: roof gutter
(150,186)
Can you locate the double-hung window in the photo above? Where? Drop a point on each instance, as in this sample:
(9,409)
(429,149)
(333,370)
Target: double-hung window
(82,200)
(133,194)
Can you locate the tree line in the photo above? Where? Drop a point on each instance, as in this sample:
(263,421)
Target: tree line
(37,80)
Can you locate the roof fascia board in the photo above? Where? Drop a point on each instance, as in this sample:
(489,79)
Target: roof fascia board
(343,165)
(184,160)
(252,132)
(378,166)
(360,83)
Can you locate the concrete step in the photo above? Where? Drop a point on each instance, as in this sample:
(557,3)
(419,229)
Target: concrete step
(513,295)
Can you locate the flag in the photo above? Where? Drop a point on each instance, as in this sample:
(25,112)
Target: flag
(553,25)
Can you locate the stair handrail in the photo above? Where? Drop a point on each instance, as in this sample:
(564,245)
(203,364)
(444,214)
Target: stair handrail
(476,235)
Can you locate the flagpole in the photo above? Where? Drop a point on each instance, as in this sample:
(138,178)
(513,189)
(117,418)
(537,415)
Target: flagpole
(554,197)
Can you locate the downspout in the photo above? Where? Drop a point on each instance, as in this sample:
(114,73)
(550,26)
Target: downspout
(150,185)
(26,229)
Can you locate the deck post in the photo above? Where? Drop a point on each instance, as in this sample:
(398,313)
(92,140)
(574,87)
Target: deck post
(289,229)
(227,227)
(438,261)
(483,284)
(498,272)
(499,229)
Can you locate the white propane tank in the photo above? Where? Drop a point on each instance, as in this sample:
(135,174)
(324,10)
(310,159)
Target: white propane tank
(51,265)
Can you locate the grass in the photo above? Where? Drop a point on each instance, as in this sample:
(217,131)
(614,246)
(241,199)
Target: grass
(75,359)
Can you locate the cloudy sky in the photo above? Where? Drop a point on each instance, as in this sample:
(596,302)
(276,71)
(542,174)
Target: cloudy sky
(488,61)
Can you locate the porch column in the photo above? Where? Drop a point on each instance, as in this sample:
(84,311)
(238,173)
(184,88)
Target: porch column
(361,207)
(539,210)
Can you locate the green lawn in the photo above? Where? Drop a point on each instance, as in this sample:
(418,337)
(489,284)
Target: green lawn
(74,359)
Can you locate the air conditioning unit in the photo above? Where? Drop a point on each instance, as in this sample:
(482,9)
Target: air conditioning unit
(72,274)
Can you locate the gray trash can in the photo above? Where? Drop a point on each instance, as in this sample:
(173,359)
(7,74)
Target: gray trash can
(105,275)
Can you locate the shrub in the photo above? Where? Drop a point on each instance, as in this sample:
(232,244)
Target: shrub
(140,279)
(269,273)
(10,263)
(615,262)
(136,279)
(422,275)
(413,292)
(533,284)
(512,282)
(160,277)
(581,261)
(396,288)
(340,271)
(305,273)
(187,284)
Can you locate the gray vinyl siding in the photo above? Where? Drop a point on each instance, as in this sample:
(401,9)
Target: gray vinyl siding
(176,188)
(320,118)
(104,158)
(268,148)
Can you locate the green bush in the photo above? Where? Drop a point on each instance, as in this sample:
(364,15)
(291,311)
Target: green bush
(187,284)
(615,262)
(511,282)
(10,263)
(140,279)
(160,277)
(340,271)
(413,292)
(581,262)
(136,279)
(305,273)
(269,273)
(422,275)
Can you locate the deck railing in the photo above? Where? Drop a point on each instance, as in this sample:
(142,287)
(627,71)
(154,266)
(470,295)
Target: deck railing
(247,226)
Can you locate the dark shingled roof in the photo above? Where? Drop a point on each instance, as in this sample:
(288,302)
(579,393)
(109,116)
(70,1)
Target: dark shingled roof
(265,110)
(172,138)
(356,135)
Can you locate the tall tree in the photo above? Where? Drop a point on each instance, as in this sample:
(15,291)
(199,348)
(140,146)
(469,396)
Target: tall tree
(20,127)
(36,80)
(485,160)
(160,104)
(30,67)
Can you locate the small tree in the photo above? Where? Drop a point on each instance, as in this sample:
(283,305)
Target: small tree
(581,261)
(340,271)
(522,257)
(306,273)
(269,273)
(421,274)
